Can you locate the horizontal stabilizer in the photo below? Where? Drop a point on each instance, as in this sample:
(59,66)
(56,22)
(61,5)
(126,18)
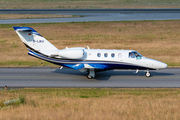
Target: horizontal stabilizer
(23,29)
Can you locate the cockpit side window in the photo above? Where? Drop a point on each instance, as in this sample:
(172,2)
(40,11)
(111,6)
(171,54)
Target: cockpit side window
(131,55)
(135,55)
(138,56)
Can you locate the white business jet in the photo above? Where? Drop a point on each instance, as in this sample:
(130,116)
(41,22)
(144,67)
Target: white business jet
(85,59)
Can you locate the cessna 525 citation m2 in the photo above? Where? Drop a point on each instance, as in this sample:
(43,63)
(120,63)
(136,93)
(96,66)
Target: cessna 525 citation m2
(85,59)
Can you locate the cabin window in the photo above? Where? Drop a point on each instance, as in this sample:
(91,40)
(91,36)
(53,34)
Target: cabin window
(112,55)
(105,55)
(119,55)
(99,54)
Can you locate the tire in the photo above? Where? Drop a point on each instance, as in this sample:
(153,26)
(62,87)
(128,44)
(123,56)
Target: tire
(89,77)
(148,74)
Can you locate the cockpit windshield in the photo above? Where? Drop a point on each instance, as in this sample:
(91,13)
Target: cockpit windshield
(135,54)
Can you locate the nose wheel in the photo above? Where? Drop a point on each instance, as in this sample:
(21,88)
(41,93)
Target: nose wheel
(148,74)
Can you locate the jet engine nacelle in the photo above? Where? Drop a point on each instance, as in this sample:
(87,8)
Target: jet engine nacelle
(71,53)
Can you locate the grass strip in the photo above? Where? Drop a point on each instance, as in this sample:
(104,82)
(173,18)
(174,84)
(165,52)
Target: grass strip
(94,103)
(34,16)
(38,63)
(87,4)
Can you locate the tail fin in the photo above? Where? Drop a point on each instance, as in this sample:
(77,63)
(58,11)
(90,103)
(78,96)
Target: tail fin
(34,41)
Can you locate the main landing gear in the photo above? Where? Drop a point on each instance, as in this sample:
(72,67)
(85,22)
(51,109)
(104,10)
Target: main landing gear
(148,74)
(91,74)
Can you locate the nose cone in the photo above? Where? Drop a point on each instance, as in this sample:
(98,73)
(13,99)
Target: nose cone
(161,65)
(158,64)
(155,64)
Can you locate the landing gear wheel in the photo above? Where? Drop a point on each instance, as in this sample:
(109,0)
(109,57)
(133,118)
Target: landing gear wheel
(89,77)
(91,74)
(148,74)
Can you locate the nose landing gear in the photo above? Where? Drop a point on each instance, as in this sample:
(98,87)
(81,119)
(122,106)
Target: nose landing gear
(148,74)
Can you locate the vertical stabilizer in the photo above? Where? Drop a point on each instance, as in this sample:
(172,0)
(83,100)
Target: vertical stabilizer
(33,40)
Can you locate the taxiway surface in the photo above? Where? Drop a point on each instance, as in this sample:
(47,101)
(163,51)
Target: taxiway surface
(93,15)
(54,77)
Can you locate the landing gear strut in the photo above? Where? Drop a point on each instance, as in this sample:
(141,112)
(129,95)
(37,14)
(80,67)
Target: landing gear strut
(91,74)
(148,74)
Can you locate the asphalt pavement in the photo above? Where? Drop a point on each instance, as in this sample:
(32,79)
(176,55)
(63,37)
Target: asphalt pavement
(54,77)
